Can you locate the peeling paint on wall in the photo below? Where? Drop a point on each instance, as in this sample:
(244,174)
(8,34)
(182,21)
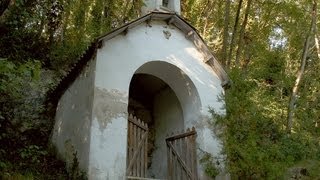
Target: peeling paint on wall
(109,105)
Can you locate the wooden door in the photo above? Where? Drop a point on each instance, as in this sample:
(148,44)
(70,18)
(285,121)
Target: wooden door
(181,156)
(137,148)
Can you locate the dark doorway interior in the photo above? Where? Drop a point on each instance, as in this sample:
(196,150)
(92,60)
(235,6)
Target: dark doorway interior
(155,103)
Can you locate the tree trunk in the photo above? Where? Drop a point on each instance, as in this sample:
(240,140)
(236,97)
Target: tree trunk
(300,73)
(242,31)
(235,27)
(225,33)
(316,39)
(247,53)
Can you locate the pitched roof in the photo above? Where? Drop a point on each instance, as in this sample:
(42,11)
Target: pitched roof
(171,18)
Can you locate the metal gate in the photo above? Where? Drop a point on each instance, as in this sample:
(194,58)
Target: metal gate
(137,148)
(181,155)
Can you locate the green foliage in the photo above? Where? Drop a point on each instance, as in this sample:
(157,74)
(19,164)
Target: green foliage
(75,173)
(24,130)
(21,93)
(255,144)
(32,153)
(210,165)
(21,36)
(14,76)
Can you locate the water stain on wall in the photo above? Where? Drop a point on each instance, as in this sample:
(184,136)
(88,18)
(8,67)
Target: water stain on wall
(109,104)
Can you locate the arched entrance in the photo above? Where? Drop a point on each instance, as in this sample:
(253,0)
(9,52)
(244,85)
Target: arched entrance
(154,102)
(164,98)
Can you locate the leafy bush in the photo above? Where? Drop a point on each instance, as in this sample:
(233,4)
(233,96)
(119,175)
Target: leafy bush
(24,126)
(255,143)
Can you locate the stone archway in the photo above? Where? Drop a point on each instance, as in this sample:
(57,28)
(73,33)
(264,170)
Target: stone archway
(164,97)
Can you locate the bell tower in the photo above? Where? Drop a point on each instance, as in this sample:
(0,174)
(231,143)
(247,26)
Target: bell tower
(161,5)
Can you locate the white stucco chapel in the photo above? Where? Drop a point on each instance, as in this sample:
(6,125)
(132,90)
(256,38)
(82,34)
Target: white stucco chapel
(135,94)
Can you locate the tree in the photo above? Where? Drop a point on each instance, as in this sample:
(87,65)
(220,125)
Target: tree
(235,27)
(225,33)
(242,33)
(300,73)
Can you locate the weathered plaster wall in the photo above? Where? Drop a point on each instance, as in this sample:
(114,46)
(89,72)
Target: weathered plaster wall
(151,5)
(168,118)
(108,135)
(73,119)
(163,51)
